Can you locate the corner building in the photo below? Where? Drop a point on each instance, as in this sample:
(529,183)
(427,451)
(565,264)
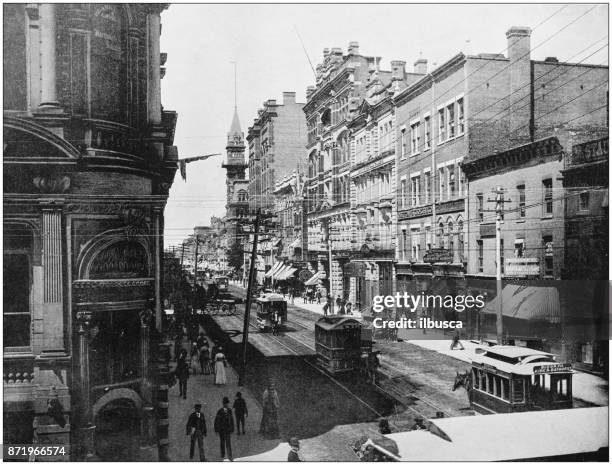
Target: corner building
(88,162)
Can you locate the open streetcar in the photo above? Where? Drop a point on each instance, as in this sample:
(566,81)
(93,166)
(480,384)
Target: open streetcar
(222,283)
(271,309)
(342,344)
(515,379)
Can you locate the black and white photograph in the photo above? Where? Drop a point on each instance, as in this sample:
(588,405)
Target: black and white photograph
(316,232)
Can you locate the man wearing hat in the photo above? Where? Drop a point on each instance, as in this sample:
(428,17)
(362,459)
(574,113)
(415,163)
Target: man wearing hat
(224,426)
(196,428)
(293,453)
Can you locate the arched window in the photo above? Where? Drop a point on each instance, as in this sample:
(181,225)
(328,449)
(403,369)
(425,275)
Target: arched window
(441,235)
(450,237)
(460,239)
(242,196)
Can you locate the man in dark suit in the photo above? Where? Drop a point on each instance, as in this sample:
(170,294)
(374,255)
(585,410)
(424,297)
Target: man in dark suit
(295,448)
(196,428)
(240,411)
(224,426)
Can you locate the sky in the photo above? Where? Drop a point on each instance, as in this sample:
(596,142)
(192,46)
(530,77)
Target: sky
(202,41)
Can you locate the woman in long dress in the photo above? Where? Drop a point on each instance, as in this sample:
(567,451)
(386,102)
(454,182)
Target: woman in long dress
(220,377)
(269,418)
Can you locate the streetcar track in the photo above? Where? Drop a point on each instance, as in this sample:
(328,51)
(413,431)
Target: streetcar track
(327,375)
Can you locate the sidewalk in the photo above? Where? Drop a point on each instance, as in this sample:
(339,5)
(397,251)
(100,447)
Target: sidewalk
(201,389)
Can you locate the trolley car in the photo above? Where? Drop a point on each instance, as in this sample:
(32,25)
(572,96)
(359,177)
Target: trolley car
(222,283)
(341,344)
(271,308)
(515,379)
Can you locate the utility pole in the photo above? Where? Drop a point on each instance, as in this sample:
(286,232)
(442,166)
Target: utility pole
(247,308)
(195,273)
(499,211)
(330,297)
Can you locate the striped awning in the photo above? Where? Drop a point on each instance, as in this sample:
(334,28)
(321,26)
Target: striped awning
(286,273)
(274,268)
(528,303)
(278,272)
(314,279)
(296,243)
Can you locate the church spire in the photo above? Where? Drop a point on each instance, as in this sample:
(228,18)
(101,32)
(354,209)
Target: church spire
(235,135)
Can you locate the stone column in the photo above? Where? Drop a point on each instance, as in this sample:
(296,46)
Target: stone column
(147,424)
(157,212)
(153,75)
(86,426)
(48,90)
(53,307)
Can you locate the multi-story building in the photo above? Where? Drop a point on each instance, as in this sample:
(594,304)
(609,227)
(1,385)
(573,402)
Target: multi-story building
(585,182)
(474,107)
(88,162)
(372,187)
(276,143)
(340,89)
(289,211)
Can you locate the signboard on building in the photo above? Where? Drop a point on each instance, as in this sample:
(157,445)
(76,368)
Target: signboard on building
(487,230)
(554,368)
(521,267)
(438,255)
(414,212)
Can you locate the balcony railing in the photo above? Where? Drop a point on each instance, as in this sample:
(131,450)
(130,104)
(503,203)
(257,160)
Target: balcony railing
(18,371)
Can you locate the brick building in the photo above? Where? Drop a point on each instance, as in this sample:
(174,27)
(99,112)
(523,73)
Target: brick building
(88,162)
(276,143)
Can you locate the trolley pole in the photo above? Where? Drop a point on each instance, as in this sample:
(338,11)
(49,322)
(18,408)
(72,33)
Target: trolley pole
(330,297)
(247,307)
(499,209)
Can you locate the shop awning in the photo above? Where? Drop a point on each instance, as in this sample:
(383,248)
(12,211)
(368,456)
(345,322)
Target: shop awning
(286,273)
(274,268)
(278,272)
(528,303)
(315,279)
(296,243)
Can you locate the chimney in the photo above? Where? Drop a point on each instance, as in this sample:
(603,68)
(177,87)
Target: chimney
(398,70)
(420,66)
(519,47)
(288,97)
(325,53)
(336,51)
(353,48)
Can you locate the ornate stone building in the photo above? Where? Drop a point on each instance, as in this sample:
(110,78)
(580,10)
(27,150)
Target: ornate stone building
(88,162)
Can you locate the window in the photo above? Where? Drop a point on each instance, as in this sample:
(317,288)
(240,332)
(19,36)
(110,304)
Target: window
(480,256)
(415,138)
(441,126)
(403,193)
(403,136)
(460,117)
(17,285)
(451,181)
(451,242)
(519,248)
(404,244)
(427,238)
(450,114)
(583,203)
(416,244)
(442,175)
(414,190)
(427,187)
(549,253)
(427,132)
(480,201)
(521,200)
(548,196)
(460,239)
(441,235)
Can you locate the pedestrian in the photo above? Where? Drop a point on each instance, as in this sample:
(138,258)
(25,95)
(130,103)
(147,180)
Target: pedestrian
(178,342)
(224,427)
(318,296)
(383,426)
(456,342)
(339,305)
(348,308)
(240,411)
(292,295)
(182,373)
(196,428)
(269,418)
(293,453)
(275,323)
(325,308)
(220,364)
(204,358)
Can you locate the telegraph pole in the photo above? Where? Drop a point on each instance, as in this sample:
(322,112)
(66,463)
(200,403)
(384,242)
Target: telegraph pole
(247,307)
(499,211)
(330,298)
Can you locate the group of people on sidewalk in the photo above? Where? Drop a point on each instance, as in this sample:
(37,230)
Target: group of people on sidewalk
(223,426)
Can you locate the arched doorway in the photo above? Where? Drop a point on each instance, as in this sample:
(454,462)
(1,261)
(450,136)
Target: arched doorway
(117,436)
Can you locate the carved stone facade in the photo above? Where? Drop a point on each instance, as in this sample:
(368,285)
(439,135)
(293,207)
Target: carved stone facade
(88,161)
